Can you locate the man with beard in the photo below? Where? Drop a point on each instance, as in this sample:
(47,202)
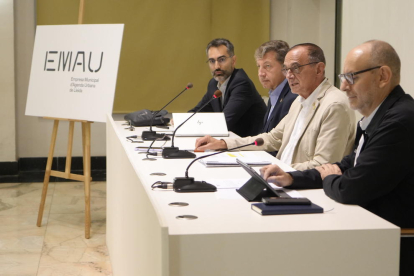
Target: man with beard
(242,105)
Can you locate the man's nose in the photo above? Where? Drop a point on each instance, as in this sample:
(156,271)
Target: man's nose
(289,74)
(217,65)
(344,86)
(261,72)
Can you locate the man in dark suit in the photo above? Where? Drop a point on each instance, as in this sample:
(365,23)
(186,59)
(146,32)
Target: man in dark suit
(242,105)
(379,174)
(269,59)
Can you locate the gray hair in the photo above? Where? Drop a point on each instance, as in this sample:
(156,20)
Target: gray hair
(280,47)
(221,41)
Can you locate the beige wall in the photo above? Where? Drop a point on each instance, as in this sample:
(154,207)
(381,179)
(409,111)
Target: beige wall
(164,43)
(7,91)
(295,21)
(388,20)
(300,21)
(33,134)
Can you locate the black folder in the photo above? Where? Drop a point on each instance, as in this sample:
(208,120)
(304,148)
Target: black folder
(265,210)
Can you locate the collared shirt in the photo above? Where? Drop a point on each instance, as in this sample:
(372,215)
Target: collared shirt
(274,96)
(222,88)
(307,104)
(363,124)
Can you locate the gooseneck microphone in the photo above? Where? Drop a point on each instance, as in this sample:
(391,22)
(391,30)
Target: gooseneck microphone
(174,152)
(188,185)
(152,135)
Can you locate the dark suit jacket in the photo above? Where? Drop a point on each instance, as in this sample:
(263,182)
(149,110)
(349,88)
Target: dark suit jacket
(280,110)
(244,108)
(382,181)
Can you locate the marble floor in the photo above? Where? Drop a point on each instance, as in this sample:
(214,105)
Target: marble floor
(59,247)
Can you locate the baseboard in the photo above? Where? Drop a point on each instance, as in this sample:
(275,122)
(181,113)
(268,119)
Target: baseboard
(9,168)
(33,169)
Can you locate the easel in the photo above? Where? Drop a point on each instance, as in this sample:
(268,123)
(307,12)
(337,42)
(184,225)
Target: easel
(86,146)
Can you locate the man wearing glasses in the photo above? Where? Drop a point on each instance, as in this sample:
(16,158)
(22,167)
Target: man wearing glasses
(320,126)
(379,174)
(242,105)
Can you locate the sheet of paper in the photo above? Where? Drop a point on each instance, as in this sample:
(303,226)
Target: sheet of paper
(229,159)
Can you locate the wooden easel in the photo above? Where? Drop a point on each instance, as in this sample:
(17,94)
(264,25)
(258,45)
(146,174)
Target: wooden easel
(86,146)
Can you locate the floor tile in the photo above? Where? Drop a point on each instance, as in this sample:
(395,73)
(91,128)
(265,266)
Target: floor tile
(24,189)
(19,263)
(58,247)
(98,189)
(21,233)
(76,204)
(23,205)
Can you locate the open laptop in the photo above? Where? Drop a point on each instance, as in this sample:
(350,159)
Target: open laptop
(201,124)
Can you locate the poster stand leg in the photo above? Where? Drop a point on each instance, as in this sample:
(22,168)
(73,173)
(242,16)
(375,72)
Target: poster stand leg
(86,177)
(86,147)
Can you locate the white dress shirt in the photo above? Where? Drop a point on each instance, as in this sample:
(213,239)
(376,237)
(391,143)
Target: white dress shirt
(307,104)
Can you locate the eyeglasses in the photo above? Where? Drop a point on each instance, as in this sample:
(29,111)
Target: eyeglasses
(295,69)
(220,60)
(349,77)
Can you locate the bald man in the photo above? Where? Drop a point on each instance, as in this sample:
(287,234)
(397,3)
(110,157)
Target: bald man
(379,174)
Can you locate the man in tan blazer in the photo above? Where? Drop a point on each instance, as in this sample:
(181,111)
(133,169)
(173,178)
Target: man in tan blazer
(320,126)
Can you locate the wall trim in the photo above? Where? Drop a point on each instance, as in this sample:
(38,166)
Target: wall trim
(32,169)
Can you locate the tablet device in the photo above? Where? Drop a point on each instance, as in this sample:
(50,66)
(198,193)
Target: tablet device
(256,188)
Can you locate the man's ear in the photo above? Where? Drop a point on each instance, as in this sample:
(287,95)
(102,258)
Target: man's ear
(320,68)
(385,76)
(234,60)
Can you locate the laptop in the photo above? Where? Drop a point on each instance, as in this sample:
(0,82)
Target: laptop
(201,124)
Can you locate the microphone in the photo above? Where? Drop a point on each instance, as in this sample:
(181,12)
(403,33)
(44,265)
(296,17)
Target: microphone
(174,152)
(188,185)
(152,135)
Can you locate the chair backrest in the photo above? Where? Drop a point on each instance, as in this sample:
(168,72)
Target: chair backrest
(407,232)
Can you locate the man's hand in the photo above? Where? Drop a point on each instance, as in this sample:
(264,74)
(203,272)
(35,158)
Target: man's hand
(274,174)
(328,169)
(208,142)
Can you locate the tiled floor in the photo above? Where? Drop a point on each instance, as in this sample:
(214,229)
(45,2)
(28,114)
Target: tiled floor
(59,247)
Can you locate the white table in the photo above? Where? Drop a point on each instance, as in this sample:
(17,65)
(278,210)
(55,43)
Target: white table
(145,238)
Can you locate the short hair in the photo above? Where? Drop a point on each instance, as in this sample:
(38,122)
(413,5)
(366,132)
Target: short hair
(315,53)
(382,53)
(221,41)
(280,47)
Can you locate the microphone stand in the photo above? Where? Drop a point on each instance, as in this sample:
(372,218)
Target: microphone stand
(174,152)
(188,185)
(152,135)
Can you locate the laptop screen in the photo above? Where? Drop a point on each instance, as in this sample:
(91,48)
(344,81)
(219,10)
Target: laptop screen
(201,124)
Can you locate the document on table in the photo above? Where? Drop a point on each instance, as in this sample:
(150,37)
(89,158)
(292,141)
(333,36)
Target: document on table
(229,159)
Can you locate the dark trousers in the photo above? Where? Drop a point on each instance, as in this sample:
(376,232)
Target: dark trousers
(407,256)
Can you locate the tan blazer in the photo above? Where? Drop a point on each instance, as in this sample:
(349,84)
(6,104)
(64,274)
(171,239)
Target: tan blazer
(328,134)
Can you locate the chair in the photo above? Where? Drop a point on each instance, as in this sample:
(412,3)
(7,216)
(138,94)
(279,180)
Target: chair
(407,232)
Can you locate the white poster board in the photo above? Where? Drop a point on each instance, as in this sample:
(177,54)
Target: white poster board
(74,71)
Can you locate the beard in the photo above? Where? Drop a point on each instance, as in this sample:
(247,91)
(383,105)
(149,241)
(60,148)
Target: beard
(220,75)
